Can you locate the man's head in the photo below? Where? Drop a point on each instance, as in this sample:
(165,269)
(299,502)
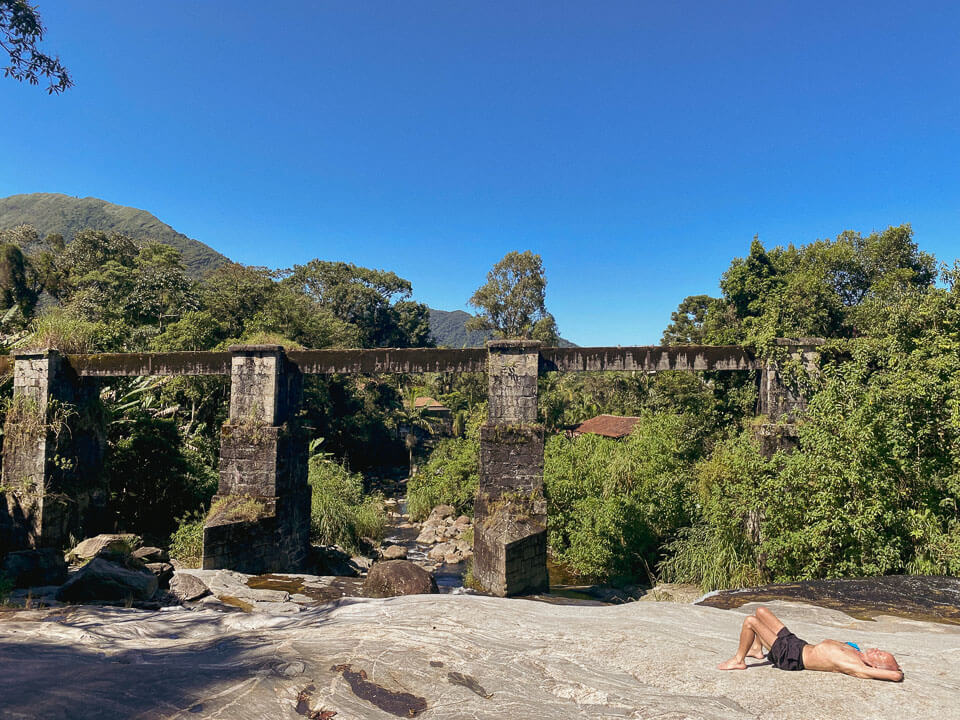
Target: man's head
(880,659)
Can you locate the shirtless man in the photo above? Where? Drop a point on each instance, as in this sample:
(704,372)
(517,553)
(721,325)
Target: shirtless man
(788,652)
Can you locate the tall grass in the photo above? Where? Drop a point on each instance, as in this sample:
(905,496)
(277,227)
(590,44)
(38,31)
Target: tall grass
(340,513)
(63,331)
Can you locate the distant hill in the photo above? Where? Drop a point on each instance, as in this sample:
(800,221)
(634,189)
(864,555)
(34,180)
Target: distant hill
(55,213)
(447,328)
(67,215)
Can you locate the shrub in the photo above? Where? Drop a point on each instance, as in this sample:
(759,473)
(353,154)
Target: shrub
(340,513)
(612,503)
(152,477)
(186,542)
(450,477)
(719,550)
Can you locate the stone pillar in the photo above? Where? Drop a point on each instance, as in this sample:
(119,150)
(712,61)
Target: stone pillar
(780,401)
(260,517)
(53,446)
(510,523)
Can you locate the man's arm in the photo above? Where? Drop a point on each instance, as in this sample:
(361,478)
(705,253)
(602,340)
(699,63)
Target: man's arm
(862,670)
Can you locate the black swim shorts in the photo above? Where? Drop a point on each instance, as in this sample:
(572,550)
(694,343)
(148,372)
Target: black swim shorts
(787,651)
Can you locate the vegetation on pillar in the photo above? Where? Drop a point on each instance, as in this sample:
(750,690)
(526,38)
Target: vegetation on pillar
(512,301)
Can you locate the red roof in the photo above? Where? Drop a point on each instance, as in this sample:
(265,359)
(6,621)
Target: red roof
(611,426)
(428,403)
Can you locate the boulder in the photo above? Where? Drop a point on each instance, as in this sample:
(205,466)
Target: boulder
(427,536)
(187,587)
(27,568)
(89,548)
(151,555)
(437,552)
(394,552)
(398,577)
(163,571)
(443,511)
(333,560)
(462,522)
(101,579)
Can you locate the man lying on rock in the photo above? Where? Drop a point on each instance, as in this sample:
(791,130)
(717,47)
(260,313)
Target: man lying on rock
(788,652)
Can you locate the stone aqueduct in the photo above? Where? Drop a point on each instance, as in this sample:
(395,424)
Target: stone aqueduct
(50,493)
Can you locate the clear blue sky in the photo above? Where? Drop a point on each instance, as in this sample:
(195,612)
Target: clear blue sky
(637,146)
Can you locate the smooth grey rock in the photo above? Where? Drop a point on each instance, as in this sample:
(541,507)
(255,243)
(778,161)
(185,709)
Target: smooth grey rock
(398,577)
(394,552)
(163,571)
(532,661)
(427,536)
(673,592)
(27,568)
(443,511)
(438,552)
(151,555)
(333,560)
(89,548)
(231,584)
(101,579)
(186,587)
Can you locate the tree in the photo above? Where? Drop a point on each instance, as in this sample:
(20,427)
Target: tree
(14,286)
(20,33)
(161,288)
(375,301)
(690,322)
(233,294)
(511,303)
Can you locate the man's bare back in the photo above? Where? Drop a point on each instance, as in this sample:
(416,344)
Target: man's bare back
(788,652)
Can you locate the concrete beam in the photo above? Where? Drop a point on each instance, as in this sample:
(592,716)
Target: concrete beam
(389,360)
(649,358)
(155,363)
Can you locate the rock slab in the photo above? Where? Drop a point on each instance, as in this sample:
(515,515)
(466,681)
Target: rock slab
(453,657)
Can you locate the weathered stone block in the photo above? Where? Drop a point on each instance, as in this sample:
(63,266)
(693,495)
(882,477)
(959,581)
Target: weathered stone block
(263,456)
(52,450)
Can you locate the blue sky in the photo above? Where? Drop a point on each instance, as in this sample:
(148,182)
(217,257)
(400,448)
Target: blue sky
(637,146)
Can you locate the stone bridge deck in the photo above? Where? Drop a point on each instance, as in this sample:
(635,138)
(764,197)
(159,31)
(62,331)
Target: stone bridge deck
(644,358)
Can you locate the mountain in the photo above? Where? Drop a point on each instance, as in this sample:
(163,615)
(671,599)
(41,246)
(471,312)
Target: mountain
(67,215)
(447,328)
(64,214)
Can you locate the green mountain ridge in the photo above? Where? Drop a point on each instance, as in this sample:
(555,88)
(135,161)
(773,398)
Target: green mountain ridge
(67,215)
(448,329)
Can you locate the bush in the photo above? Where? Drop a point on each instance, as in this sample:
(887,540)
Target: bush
(340,513)
(612,503)
(186,542)
(152,477)
(450,477)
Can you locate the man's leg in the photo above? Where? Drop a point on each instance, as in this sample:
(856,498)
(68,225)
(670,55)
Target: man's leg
(769,620)
(751,630)
(772,622)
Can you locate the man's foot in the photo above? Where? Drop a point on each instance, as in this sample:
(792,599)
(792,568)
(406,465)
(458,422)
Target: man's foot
(756,654)
(732,664)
